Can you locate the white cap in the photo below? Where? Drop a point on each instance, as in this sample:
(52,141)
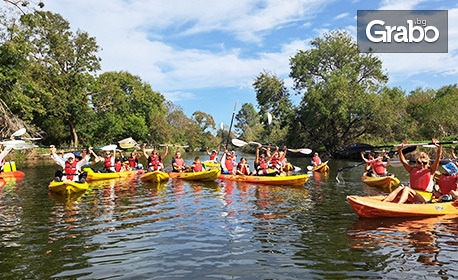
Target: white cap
(69,155)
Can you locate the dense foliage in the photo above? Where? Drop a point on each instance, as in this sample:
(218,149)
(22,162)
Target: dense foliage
(345,100)
(48,78)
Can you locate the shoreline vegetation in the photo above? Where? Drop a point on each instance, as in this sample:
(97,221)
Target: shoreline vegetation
(50,81)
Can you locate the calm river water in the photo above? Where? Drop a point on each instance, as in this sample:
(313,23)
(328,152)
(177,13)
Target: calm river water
(126,229)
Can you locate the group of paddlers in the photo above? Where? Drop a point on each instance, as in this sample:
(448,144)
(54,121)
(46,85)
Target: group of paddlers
(266,164)
(425,182)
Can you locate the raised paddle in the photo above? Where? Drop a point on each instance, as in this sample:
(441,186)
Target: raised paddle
(361,147)
(404,151)
(241,143)
(230,126)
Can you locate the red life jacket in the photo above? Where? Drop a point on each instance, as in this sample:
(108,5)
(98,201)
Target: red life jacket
(244,169)
(179,161)
(262,166)
(213,156)
(118,166)
(275,160)
(197,167)
(420,179)
(70,169)
(154,162)
(132,162)
(107,163)
(379,168)
(316,160)
(447,183)
(229,164)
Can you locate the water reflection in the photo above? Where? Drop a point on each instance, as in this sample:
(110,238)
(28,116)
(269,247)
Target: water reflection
(421,240)
(126,228)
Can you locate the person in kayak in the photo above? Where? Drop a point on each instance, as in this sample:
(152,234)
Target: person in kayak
(71,167)
(243,168)
(178,163)
(108,162)
(261,163)
(227,164)
(276,160)
(213,155)
(154,161)
(420,177)
(368,166)
(376,167)
(316,160)
(133,160)
(5,151)
(197,165)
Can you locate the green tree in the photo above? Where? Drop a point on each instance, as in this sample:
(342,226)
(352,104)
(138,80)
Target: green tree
(248,123)
(61,63)
(339,87)
(125,106)
(272,96)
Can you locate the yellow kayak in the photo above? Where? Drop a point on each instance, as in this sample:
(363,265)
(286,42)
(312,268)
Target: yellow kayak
(384,182)
(209,175)
(321,168)
(94,176)
(155,176)
(296,180)
(67,187)
(210,164)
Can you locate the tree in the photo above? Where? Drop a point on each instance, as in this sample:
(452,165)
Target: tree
(125,106)
(339,87)
(248,123)
(61,63)
(273,96)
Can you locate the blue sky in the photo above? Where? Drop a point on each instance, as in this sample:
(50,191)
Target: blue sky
(203,55)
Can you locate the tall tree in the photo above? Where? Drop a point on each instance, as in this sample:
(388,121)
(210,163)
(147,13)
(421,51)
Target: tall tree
(125,106)
(248,123)
(61,64)
(339,86)
(273,96)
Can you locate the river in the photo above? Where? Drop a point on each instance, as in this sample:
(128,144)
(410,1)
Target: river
(127,229)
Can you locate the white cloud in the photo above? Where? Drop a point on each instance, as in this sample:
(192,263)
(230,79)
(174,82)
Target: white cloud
(133,34)
(400,5)
(341,16)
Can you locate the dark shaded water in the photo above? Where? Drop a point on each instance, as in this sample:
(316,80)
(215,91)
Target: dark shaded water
(126,229)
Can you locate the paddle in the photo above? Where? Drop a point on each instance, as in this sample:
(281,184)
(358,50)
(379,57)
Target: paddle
(230,126)
(310,168)
(269,121)
(241,143)
(404,151)
(361,147)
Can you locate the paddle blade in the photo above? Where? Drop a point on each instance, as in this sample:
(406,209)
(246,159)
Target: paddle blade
(126,145)
(409,149)
(23,146)
(107,147)
(19,132)
(269,118)
(305,151)
(357,148)
(239,143)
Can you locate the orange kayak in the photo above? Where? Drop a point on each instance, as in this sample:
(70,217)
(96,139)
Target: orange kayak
(10,174)
(384,182)
(374,207)
(296,180)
